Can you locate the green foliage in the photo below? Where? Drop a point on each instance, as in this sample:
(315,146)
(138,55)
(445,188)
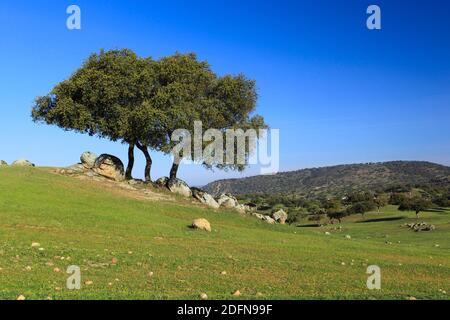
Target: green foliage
(416,204)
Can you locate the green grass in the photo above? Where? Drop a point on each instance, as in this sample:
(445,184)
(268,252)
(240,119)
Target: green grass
(82,223)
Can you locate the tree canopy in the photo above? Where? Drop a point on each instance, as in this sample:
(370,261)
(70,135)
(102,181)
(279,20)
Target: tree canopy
(141,102)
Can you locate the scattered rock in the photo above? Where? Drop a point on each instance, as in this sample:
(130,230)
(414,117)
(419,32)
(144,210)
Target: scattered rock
(204,198)
(88,159)
(422,226)
(237,293)
(56,270)
(110,167)
(280,216)
(21,297)
(22,163)
(241,208)
(227,201)
(162,182)
(35,244)
(88,283)
(180,187)
(347,236)
(223,273)
(114,260)
(327,233)
(201,224)
(203,296)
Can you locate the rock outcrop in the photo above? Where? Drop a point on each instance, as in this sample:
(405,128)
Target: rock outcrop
(110,167)
(201,224)
(22,163)
(280,216)
(3,163)
(204,198)
(421,226)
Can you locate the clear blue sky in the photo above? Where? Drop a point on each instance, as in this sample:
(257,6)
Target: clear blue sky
(338,92)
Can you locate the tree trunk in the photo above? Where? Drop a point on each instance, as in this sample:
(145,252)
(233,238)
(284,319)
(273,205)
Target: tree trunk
(128,173)
(174,171)
(148,161)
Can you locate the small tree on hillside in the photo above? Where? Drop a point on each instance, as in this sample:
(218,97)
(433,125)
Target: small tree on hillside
(416,204)
(361,207)
(381,200)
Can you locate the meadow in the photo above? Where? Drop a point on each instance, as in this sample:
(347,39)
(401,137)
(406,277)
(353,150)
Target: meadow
(129,248)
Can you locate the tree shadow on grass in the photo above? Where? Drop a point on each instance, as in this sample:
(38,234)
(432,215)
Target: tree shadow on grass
(437,210)
(312,225)
(382,219)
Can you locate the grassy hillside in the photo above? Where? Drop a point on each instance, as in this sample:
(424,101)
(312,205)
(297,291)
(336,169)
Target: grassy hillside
(83,223)
(337,180)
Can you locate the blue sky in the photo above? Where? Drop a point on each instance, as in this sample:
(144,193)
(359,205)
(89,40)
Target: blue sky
(338,92)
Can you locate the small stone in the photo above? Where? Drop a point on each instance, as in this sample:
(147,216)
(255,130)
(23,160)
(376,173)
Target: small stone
(348,236)
(203,296)
(35,244)
(259,294)
(223,273)
(201,224)
(88,282)
(237,293)
(21,297)
(342,263)
(56,270)
(150,274)
(41,249)
(130,252)
(327,233)
(114,260)
(28,268)
(412,298)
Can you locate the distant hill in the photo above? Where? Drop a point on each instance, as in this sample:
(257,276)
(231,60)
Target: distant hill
(337,180)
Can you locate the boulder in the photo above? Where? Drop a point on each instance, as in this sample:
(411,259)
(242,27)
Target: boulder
(110,167)
(227,201)
(22,163)
(269,220)
(180,187)
(162,182)
(264,218)
(241,208)
(201,224)
(88,159)
(204,198)
(3,163)
(280,216)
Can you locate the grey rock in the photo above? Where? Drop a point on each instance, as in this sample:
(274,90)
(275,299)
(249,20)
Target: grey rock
(88,159)
(227,201)
(204,198)
(162,182)
(180,187)
(110,167)
(280,216)
(22,163)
